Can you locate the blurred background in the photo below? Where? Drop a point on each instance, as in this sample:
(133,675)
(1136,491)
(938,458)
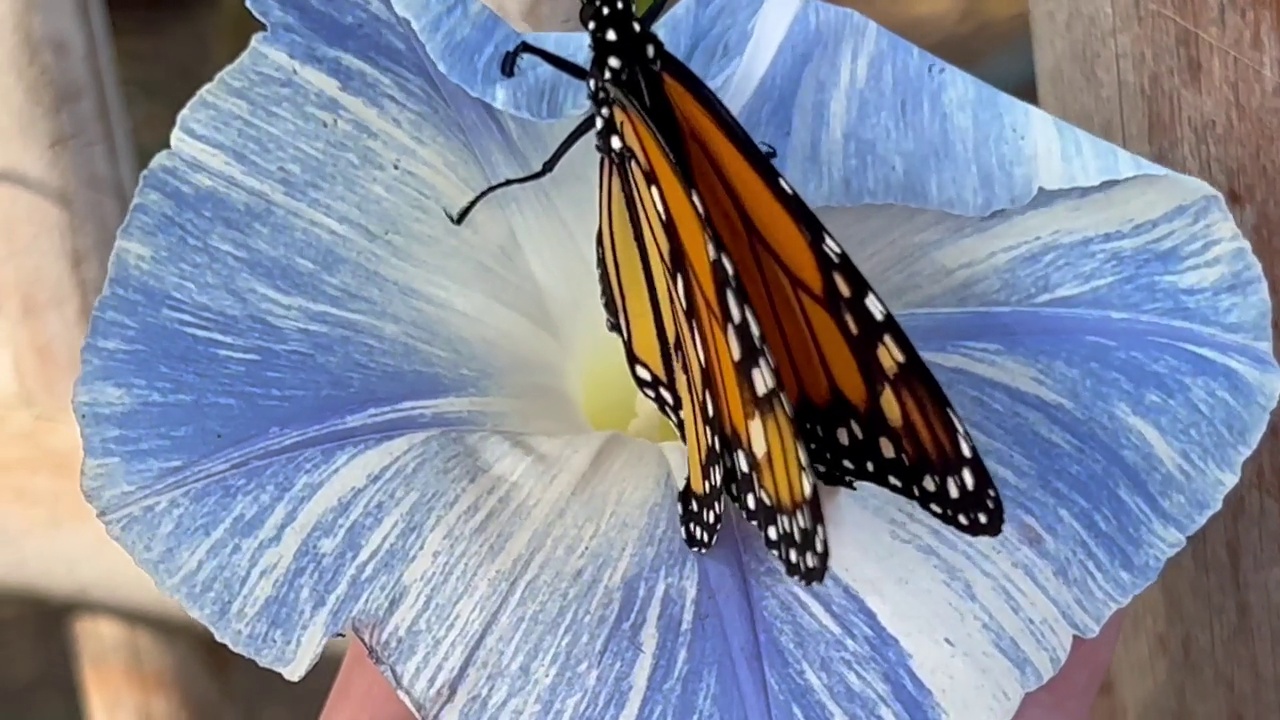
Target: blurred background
(64,658)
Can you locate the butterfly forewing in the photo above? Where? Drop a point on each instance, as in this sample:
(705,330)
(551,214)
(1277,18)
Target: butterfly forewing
(635,265)
(634,292)
(868,407)
(766,467)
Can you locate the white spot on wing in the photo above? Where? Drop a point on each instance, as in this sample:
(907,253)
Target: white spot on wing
(876,307)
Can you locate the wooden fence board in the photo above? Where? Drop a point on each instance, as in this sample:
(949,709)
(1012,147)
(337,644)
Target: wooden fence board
(1191,84)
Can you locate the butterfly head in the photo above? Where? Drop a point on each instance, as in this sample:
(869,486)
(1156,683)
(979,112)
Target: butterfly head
(596,15)
(618,38)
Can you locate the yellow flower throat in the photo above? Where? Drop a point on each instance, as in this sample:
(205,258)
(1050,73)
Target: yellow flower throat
(608,395)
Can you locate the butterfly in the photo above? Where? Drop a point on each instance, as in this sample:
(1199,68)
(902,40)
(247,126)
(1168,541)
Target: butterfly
(743,319)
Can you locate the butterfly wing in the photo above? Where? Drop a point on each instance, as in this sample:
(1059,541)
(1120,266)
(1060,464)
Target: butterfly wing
(868,406)
(634,291)
(746,419)
(642,282)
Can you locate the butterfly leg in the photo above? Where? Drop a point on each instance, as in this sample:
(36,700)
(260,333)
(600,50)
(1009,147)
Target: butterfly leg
(580,131)
(564,65)
(770,152)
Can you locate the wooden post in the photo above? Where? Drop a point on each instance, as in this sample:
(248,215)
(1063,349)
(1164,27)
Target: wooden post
(1195,86)
(66,174)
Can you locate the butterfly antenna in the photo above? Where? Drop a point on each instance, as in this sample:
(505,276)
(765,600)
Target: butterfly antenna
(579,131)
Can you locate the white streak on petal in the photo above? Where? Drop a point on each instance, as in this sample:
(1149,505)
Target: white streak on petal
(937,610)
(1252,373)
(1159,446)
(1003,369)
(850,78)
(770,27)
(820,692)
(640,674)
(294,524)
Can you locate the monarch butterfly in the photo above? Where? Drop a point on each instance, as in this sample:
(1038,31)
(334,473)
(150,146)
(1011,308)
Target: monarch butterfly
(743,319)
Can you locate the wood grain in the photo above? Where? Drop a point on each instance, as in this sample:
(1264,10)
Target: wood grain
(1191,84)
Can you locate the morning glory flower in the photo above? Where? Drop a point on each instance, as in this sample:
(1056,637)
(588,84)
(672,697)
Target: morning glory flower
(310,404)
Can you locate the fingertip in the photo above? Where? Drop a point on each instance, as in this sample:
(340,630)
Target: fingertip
(1071,693)
(360,692)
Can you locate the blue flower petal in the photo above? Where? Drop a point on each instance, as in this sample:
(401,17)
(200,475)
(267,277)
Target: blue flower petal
(549,585)
(816,652)
(1152,246)
(1115,414)
(859,115)
(571,593)
(282,418)
(1111,440)
(315,279)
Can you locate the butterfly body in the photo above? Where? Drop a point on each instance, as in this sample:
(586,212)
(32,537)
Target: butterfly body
(743,319)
